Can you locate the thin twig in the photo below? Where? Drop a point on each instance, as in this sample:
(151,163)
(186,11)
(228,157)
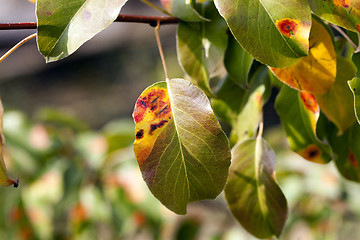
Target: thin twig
(344,35)
(152,20)
(161,51)
(19,44)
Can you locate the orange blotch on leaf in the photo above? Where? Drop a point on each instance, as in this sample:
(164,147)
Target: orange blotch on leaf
(358,27)
(352,159)
(310,102)
(342,3)
(311,153)
(287,26)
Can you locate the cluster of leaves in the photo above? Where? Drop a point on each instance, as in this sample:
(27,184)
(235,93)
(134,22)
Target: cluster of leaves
(233,52)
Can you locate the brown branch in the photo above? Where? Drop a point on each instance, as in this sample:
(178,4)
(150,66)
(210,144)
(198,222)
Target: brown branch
(152,20)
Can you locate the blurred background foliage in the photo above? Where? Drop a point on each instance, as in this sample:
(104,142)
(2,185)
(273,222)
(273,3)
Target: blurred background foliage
(69,136)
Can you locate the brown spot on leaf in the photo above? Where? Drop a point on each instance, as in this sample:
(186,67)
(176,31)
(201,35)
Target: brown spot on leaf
(311,153)
(352,159)
(140,134)
(342,3)
(358,27)
(153,127)
(309,101)
(287,26)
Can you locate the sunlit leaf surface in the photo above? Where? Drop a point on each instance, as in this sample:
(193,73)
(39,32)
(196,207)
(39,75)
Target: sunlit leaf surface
(180,147)
(345,13)
(338,103)
(254,197)
(274,32)
(63,26)
(4,178)
(201,46)
(299,113)
(316,72)
(183,9)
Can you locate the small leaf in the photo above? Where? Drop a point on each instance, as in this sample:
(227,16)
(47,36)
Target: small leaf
(274,32)
(63,26)
(354,85)
(345,13)
(254,197)
(338,103)
(347,152)
(316,72)
(201,46)
(299,113)
(4,178)
(182,152)
(237,62)
(185,10)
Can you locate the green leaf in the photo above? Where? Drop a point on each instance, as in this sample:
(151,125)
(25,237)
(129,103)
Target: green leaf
(4,178)
(274,32)
(201,46)
(63,26)
(338,103)
(344,13)
(237,62)
(254,197)
(185,10)
(347,152)
(354,85)
(299,113)
(180,147)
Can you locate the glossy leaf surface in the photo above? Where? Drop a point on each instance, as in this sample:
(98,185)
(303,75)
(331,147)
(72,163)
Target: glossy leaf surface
(345,13)
(63,26)
(4,178)
(201,46)
(254,197)
(274,32)
(182,152)
(185,10)
(237,62)
(299,113)
(316,72)
(338,103)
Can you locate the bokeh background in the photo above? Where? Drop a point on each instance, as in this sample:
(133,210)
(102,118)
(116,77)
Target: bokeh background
(69,136)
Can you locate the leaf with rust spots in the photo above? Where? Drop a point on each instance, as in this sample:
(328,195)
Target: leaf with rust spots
(347,152)
(299,114)
(275,33)
(254,197)
(338,103)
(316,72)
(4,178)
(345,13)
(183,154)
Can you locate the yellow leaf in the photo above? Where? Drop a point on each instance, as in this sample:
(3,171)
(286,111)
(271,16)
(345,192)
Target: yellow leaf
(4,178)
(316,72)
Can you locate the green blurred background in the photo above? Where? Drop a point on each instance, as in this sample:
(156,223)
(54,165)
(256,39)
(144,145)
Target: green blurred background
(69,136)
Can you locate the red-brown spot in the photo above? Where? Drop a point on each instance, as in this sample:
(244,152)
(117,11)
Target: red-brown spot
(311,153)
(352,159)
(153,127)
(140,134)
(358,27)
(342,3)
(287,27)
(309,102)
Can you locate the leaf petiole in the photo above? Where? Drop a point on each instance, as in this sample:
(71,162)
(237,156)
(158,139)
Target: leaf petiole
(161,50)
(19,44)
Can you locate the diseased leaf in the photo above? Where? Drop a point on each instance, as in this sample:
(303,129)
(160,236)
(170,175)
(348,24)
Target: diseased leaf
(237,62)
(182,152)
(63,26)
(347,152)
(201,46)
(254,197)
(299,113)
(274,32)
(338,103)
(316,72)
(185,10)
(4,178)
(345,13)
